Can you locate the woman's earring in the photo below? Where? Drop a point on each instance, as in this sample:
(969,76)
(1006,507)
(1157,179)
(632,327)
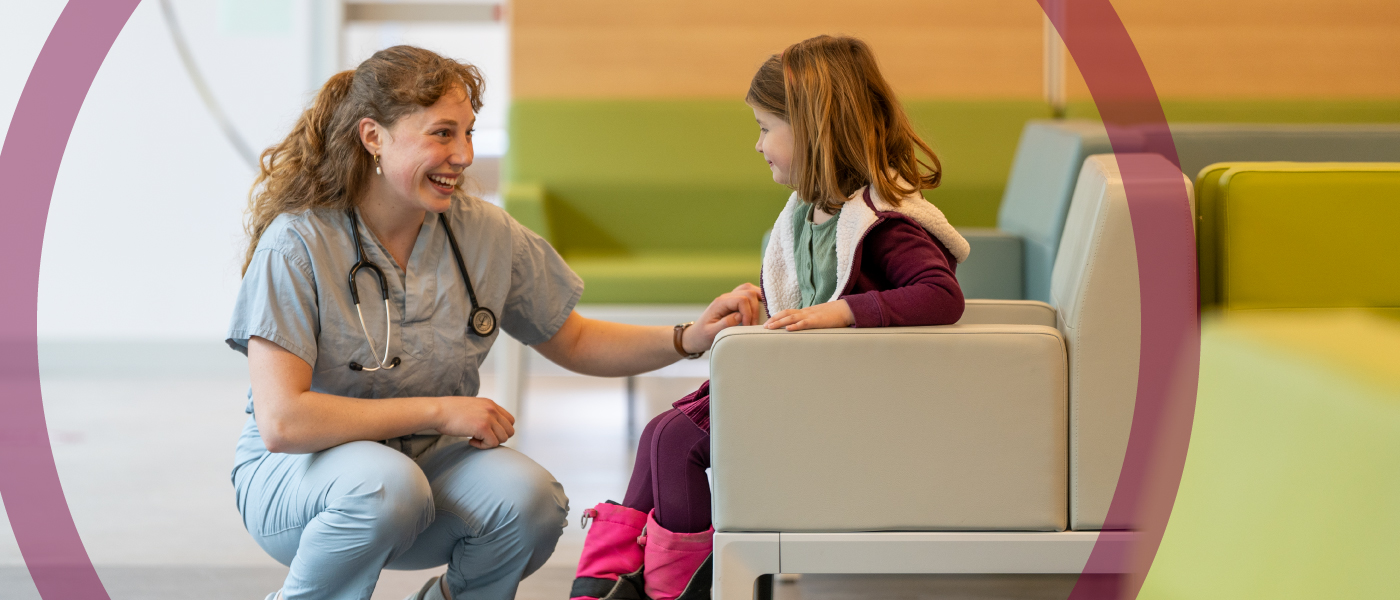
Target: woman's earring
(377,170)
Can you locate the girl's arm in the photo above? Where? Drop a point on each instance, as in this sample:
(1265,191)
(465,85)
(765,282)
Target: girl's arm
(919,282)
(295,420)
(922,289)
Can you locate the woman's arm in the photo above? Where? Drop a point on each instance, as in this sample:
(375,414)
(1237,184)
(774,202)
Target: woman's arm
(295,420)
(607,349)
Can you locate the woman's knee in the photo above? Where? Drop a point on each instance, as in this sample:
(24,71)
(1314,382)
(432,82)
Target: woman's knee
(541,511)
(385,488)
(538,497)
(522,496)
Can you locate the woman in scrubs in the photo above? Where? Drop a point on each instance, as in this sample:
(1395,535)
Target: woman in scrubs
(364,452)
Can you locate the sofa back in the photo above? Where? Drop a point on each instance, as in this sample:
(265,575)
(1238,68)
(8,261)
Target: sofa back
(1094,288)
(1202,144)
(1038,191)
(1299,235)
(639,177)
(1050,154)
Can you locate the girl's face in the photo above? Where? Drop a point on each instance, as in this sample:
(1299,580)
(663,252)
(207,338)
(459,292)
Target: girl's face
(424,154)
(775,144)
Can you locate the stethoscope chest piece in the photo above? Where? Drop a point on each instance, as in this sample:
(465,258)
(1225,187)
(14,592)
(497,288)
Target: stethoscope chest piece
(483,321)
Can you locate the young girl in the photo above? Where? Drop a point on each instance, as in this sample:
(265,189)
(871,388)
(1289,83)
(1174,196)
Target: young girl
(856,245)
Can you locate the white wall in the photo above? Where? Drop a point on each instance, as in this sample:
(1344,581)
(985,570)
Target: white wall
(144,236)
(144,229)
(486,45)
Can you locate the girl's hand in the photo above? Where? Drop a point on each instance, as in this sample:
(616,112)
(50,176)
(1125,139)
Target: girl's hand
(743,306)
(484,421)
(822,316)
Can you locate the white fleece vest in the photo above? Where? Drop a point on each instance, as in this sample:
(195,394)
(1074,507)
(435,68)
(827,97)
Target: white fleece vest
(780,283)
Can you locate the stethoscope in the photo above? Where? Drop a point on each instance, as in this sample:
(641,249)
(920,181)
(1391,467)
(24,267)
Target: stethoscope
(482,320)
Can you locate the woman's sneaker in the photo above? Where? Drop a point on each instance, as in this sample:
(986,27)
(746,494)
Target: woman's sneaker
(430,591)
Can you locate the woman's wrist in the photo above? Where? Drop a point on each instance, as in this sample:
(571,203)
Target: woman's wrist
(689,347)
(433,411)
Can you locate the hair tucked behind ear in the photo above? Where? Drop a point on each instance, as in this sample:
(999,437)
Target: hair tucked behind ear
(322,163)
(848,129)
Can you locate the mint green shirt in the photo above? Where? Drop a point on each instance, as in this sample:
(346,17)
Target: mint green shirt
(816,256)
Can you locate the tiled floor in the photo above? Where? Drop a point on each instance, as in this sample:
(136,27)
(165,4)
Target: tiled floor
(143,437)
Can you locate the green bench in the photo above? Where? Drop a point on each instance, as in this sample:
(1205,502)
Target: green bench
(666,201)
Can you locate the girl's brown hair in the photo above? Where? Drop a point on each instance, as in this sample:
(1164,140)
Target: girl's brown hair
(848,129)
(322,163)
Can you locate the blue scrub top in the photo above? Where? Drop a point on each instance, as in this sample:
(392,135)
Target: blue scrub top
(296,294)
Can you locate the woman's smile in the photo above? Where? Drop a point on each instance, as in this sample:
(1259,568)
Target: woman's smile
(444,183)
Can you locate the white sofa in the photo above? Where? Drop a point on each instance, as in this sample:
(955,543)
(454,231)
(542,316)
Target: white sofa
(990,446)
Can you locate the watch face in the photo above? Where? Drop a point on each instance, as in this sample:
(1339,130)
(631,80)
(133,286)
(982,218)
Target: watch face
(483,322)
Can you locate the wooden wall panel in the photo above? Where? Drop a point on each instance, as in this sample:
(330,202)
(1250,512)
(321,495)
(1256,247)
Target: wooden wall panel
(688,48)
(952,48)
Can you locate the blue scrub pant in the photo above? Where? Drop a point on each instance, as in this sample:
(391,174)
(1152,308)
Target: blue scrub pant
(339,516)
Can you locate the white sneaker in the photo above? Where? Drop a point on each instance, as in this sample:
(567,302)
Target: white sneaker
(432,590)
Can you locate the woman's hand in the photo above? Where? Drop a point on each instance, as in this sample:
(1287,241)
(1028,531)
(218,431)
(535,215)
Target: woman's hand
(484,421)
(827,315)
(743,306)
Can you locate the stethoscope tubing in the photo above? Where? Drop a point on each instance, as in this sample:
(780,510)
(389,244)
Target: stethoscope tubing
(457,254)
(360,262)
(481,321)
(382,361)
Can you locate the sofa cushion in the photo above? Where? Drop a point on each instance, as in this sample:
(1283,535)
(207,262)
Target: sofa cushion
(662,278)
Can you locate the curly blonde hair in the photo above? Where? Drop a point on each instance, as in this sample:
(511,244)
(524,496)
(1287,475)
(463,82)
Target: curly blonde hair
(848,129)
(322,163)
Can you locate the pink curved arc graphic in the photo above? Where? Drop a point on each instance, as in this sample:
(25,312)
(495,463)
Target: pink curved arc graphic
(1095,37)
(1166,254)
(34,146)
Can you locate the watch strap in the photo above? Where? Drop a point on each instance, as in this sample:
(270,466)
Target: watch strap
(680,348)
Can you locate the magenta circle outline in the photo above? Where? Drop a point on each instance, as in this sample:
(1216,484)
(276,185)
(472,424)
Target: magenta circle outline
(1164,236)
(34,145)
(1095,37)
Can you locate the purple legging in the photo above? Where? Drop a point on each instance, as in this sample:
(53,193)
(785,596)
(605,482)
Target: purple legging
(670,473)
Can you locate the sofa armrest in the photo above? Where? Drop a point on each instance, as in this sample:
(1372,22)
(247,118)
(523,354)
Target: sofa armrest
(526,202)
(959,427)
(1007,312)
(995,269)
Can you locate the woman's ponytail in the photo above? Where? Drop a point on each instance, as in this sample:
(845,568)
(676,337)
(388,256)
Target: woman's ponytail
(287,173)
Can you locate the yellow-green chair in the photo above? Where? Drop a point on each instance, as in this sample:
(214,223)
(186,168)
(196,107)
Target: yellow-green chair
(1291,478)
(1298,235)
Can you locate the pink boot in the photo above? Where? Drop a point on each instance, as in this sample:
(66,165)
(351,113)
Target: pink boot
(609,551)
(676,564)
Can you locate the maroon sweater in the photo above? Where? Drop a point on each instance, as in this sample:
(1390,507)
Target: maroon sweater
(901,276)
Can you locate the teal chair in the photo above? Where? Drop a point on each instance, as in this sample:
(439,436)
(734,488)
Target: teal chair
(1014,260)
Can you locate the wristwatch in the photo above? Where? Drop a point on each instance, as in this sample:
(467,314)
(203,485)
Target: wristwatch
(680,332)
